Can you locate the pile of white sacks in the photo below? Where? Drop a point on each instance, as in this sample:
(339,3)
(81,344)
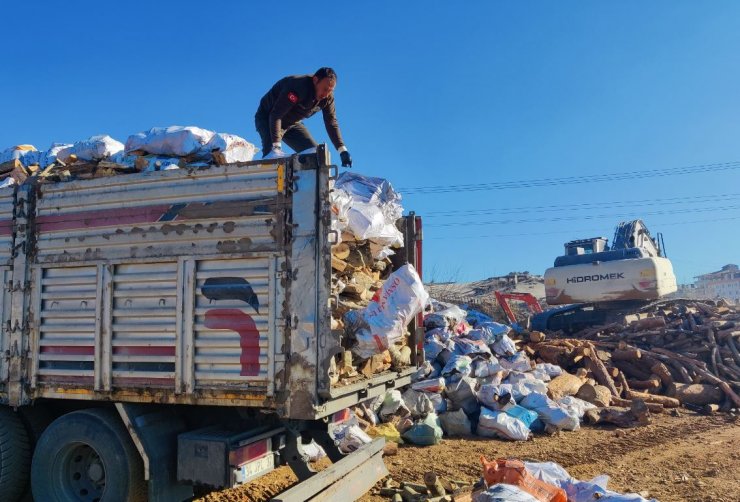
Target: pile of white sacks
(474,382)
(163,148)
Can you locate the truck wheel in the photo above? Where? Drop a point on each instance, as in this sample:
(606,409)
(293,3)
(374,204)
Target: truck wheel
(15,455)
(87,455)
(36,419)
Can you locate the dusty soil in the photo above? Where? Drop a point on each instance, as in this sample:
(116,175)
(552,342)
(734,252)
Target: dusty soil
(691,457)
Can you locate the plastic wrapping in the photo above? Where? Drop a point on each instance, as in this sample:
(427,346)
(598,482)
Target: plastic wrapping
(455,423)
(498,424)
(350,437)
(93,149)
(230,148)
(435,385)
(383,322)
(463,394)
(504,493)
(550,413)
(425,432)
(458,364)
(518,362)
(25,154)
(173,140)
(417,402)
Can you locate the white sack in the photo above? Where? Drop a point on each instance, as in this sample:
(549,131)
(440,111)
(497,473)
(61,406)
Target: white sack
(93,149)
(174,140)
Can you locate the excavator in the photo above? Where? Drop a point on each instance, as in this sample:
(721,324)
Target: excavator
(595,283)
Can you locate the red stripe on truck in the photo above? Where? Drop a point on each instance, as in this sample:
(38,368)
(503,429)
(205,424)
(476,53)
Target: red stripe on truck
(69,350)
(102,218)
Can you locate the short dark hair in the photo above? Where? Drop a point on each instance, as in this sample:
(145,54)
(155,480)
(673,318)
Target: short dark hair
(325,72)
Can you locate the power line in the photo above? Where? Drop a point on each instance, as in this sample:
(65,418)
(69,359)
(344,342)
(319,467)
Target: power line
(465,223)
(584,206)
(568,232)
(571,180)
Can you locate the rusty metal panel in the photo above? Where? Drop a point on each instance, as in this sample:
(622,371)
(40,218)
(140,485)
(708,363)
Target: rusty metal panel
(233,325)
(144,324)
(5,275)
(66,307)
(222,210)
(7,203)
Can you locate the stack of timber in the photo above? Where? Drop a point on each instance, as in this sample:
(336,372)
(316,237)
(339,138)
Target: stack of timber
(675,353)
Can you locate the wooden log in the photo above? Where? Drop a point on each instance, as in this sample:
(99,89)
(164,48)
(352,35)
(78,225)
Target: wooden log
(341,250)
(338,265)
(536,336)
(730,342)
(667,402)
(564,385)
(651,383)
(648,323)
(631,354)
(434,485)
(696,394)
(704,374)
(627,403)
(663,373)
(595,394)
(632,370)
(602,376)
(622,381)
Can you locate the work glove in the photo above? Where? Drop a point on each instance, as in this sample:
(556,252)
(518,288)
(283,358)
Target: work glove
(346,159)
(275,153)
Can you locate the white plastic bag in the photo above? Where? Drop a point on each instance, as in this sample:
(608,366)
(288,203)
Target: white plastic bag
(487,367)
(495,397)
(417,402)
(504,493)
(498,424)
(435,385)
(458,364)
(455,423)
(93,149)
(383,322)
(174,140)
(230,148)
(503,346)
(549,412)
(350,438)
(50,156)
(313,451)
(518,362)
(575,407)
(393,403)
(25,154)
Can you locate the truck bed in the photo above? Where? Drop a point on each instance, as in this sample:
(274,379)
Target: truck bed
(202,287)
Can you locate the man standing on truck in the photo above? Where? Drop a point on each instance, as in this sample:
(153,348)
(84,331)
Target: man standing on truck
(291,100)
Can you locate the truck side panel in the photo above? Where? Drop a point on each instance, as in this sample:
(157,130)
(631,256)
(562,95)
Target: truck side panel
(159,286)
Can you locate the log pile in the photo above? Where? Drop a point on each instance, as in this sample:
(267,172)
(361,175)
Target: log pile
(356,277)
(677,353)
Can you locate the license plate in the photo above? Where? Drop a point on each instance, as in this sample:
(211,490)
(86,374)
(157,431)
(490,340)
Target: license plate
(256,468)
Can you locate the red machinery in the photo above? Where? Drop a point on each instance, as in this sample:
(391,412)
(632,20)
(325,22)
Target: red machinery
(504,298)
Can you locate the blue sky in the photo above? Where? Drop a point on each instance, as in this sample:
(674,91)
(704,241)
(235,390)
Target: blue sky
(430,93)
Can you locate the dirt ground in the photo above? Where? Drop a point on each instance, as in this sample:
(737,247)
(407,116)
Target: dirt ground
(690,457)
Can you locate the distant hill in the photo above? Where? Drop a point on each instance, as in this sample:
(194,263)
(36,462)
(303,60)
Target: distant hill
(518,282)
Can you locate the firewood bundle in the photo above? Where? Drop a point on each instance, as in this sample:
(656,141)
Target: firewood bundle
(682,352)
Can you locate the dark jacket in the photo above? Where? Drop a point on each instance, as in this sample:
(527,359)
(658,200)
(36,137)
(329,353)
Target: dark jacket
(293,99)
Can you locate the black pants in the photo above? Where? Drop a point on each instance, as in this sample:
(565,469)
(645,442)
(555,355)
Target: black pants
(296,136)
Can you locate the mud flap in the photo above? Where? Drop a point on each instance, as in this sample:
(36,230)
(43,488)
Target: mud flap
(347,479)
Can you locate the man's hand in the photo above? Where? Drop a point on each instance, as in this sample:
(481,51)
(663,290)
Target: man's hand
(346,159)
(275,153)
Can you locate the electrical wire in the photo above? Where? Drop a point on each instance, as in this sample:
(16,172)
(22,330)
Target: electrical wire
(585,206)
(571,180)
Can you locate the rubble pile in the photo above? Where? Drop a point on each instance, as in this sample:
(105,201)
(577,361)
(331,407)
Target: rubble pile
(676,353)
(158,149)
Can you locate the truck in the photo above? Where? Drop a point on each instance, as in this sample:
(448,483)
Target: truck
(169,330)
(595,283)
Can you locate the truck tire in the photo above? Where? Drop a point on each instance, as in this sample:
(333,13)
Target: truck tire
(15,455)
(36,419)
(87,455)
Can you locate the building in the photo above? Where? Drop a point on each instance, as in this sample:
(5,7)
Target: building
(724,283)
